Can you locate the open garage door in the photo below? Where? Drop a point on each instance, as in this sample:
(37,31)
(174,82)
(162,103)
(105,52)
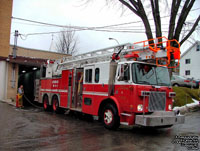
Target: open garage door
(27,76)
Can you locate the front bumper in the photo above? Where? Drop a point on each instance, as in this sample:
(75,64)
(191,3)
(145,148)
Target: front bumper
(159,118)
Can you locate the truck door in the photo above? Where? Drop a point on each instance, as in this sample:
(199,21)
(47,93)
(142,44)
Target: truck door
(69,89)
(88,89)
(123,86)
(77,88)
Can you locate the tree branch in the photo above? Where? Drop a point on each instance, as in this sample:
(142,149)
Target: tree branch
(191,31)
(145,21)
(130,7)
(67,42)
(174,10)
(156,16)
(184,13)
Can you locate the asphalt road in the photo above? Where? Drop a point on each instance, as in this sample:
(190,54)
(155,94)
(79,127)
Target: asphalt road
(33,129)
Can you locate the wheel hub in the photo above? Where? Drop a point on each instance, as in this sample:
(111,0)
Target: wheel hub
(108,116)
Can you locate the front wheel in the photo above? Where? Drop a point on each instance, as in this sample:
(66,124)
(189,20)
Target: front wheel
(110,117)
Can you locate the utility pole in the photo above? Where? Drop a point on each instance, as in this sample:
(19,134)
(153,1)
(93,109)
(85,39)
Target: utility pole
(13,81)
(15,43)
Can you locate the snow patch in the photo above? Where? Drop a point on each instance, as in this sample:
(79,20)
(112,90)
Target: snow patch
(196,102)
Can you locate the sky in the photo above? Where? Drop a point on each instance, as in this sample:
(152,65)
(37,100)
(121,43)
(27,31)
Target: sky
(76,13)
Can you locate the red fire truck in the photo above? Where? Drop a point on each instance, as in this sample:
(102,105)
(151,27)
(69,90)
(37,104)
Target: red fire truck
(127,84)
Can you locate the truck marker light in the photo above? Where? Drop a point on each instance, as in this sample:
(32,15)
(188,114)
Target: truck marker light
(140,107)
(172,94)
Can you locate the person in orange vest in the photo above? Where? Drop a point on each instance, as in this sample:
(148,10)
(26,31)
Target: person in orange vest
(20,95)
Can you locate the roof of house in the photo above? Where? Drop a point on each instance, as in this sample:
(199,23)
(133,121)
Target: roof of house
(190,48)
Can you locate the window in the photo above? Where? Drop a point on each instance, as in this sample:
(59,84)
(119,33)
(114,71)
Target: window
(124,73)
(88,75)
(187,72)
(148,74)
(198,47)
(97,74)
(187,61)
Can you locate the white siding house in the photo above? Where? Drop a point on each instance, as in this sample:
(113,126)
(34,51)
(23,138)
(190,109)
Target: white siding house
(190,62)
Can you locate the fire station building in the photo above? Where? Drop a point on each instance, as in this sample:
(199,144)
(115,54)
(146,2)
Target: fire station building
(25,67)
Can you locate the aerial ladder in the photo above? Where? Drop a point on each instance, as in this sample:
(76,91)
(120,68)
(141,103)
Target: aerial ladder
(161,51)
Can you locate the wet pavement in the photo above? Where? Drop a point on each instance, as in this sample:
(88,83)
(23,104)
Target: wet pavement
(34,129)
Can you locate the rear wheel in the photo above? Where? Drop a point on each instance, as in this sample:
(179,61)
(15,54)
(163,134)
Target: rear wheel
(46,103)
(55,104)
(110,117)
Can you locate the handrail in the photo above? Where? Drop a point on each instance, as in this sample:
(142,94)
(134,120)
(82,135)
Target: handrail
(155,45)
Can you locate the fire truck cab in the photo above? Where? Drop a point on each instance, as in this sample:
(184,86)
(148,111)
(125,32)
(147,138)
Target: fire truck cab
(122,91)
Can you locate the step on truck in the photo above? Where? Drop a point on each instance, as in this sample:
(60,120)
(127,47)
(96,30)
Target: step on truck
(127,84)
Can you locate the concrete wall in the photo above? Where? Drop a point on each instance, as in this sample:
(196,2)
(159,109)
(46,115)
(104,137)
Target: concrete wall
(5,24)
(3,80)
(12,81)
(8,80)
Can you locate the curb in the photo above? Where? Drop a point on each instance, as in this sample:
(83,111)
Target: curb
(9,101)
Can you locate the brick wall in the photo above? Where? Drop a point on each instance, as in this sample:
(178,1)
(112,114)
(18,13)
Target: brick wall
(5,24)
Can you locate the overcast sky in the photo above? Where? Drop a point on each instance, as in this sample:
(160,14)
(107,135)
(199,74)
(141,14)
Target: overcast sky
(75,13)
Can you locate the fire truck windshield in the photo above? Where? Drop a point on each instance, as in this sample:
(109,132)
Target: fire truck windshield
(150,74)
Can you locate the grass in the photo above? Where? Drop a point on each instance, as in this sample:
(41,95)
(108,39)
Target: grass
(184,95)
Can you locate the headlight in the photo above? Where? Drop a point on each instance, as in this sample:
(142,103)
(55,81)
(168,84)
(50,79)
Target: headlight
(140,107)
(170,107)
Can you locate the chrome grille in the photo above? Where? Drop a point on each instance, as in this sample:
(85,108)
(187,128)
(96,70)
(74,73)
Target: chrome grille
(157,101)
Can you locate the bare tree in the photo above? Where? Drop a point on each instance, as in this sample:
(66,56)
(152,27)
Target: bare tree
(175,28)
(67,42)
(179,11)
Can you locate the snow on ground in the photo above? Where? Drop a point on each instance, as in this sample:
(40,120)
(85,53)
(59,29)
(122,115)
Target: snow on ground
(187,105)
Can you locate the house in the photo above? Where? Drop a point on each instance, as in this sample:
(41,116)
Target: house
(190,62)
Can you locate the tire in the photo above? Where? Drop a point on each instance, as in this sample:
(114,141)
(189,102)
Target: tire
(110,117)
(176,85)
(46,103)
(55,105)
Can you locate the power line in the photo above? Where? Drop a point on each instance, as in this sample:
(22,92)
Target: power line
(57,32)
(77,27)
(106,28)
